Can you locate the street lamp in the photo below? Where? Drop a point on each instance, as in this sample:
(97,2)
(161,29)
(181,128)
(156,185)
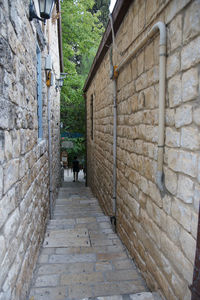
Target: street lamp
(60,81)
(45,6)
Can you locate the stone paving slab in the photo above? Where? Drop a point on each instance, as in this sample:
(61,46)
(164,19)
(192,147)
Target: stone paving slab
(67,238)
(68,269)
(139,296)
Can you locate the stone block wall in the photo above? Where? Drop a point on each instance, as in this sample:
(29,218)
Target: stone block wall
(159,232)
(24,167)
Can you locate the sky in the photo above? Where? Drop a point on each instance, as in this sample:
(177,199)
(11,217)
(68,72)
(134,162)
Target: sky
(112,4)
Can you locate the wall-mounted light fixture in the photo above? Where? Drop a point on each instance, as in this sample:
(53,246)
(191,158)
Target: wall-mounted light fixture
(60,81)
(45,6)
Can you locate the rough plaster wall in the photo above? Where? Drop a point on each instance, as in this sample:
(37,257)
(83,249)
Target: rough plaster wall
(24,182)
(160,233)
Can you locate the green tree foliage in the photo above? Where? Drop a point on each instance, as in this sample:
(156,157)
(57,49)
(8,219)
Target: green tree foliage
(81,34)
(103,6)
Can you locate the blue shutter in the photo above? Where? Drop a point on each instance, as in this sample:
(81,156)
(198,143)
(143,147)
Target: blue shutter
(39,93)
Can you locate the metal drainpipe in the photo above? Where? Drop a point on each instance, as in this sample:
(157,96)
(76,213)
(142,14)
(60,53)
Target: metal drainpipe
(161,126)
(50,152)
(112,76)
(86,180)
(114,146)
(48,68)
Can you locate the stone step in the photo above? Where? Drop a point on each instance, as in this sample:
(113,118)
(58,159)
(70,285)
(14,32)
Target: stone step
(138,296)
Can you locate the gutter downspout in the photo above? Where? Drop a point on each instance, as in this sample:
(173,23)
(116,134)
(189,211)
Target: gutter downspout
(86,178)
(114,147)
(50,153)
(48,69)
(162,79)
(114,78)
(161,126)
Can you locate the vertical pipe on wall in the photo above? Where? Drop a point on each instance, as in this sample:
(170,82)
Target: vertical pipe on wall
(50,152)
(114,145)
(114,204)
(86,178)
(161,122)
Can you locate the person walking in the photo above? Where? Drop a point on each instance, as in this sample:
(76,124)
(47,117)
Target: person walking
(75,168)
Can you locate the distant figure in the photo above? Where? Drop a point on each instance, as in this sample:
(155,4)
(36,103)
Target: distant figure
(84,168)
(75,168)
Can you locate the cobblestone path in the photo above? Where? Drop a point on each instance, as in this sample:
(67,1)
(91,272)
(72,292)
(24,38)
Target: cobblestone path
(81,257)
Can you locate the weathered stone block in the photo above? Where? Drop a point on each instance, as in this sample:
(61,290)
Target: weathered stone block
(47,280)
(179,285)
(190,138)
(3,20)
(185,189)
(57,293)
(181,213)
(13,271)
(156,214)
(141,17)
(155,194)
(16,143)
(188,245)
(170,117)
(7,205)
(173,230)
(5,54)
(179,261)
(7,114)
(11,226)
(81,278)
(142,82)
(196,197)
(183,116)
(172,137)
(194,225)
(173,64)
(175,32)
(151,7)
(149,98)
(133,206)
(174,89)
(190,84)
(149,56)
(11,173)
(1,181)
(191,26)
(153,75)
(2,248)
(150,227)
(182,161)
(190,54)
(140,63)
(170,181)
(167,203)
(173,8)
(196,114)
(144,184)
(2,145)
(8,146)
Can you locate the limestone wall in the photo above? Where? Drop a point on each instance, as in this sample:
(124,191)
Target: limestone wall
(24,168)
(159,232)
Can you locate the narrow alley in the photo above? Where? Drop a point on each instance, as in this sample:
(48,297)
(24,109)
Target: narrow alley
(81,256)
